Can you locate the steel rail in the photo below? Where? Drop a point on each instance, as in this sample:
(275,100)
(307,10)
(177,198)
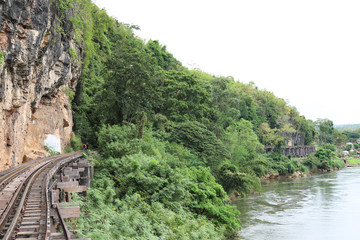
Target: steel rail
(37,167)
(49,188)
(22,201)
(5,214)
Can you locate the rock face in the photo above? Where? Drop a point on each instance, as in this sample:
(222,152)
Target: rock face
(34,76)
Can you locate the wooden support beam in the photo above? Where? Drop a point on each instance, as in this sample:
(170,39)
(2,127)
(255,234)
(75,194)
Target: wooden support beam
(75,189)
(71,172)
(55,196)
(66,178)
(82,161)
(69,211)
(71,186)
(83,165)
(63,185)
(74,176)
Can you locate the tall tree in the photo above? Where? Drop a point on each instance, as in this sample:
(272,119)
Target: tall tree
(326,129)
(184,97)
(130,80)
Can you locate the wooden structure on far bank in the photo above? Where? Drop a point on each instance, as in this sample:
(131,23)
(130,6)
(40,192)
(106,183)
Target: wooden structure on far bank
(294,151)
(294,146)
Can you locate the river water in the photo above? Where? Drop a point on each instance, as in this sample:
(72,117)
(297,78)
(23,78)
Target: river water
(322,206)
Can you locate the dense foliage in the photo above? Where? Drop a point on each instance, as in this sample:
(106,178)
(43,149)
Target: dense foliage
(324,159)
(152,184)
(174,142)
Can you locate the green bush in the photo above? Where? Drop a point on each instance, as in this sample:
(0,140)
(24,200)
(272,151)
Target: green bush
(201,141)
(330,147)
(324,165)
(155,181)
(312,162)
(69,150)
(140,175)
(338,163)
(131,218)
(75,145)
(51,151)
(324,158)
(325,154)
(117,141)
(232,180)
(284,165)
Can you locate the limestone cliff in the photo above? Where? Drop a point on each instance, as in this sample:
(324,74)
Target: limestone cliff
(35,72)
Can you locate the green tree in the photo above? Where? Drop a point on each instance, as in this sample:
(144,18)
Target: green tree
(184,97)
(233,179)
(130,81)
(339,138)
(325,130)
(226,105)
(163,58)
(242,142)
(270,137)
(96,30)
(201,141)
(352,135)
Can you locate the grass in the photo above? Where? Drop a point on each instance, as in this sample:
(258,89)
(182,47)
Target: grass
(338,163)
(354,161)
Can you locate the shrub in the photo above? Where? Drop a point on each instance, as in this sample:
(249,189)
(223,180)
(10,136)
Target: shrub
(161,175)
(338,163)
(312,162)
(117,141)
(51,151)
(232,180)
(201,141)
(132,218)
(75,143)
(324,165)
(283,165)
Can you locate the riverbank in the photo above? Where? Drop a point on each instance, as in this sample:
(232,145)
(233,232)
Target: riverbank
(273,177)
(352,165)
(300,174)
(352,162)
(269,178)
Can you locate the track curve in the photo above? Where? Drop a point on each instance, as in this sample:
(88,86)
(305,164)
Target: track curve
(24,199)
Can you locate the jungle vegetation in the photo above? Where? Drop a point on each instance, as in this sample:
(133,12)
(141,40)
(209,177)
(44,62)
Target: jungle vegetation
(172,142)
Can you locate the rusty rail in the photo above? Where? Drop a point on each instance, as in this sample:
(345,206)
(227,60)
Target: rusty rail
(22,201)
(54,205)
(23,192)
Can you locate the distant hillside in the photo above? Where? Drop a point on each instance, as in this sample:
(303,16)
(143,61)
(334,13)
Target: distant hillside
(347,126)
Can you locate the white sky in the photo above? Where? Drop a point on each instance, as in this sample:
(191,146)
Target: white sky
(305,51)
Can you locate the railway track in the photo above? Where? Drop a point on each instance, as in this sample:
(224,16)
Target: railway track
(25,201)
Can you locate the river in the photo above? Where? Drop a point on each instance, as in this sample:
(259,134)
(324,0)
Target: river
(322,206)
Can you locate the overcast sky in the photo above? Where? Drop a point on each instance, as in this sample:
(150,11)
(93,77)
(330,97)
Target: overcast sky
(305,51)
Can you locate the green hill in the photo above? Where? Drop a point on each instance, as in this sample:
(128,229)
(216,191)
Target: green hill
(347,126)
(172,142)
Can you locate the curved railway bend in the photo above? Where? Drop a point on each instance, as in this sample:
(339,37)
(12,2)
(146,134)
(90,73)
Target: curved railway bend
(32,196)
